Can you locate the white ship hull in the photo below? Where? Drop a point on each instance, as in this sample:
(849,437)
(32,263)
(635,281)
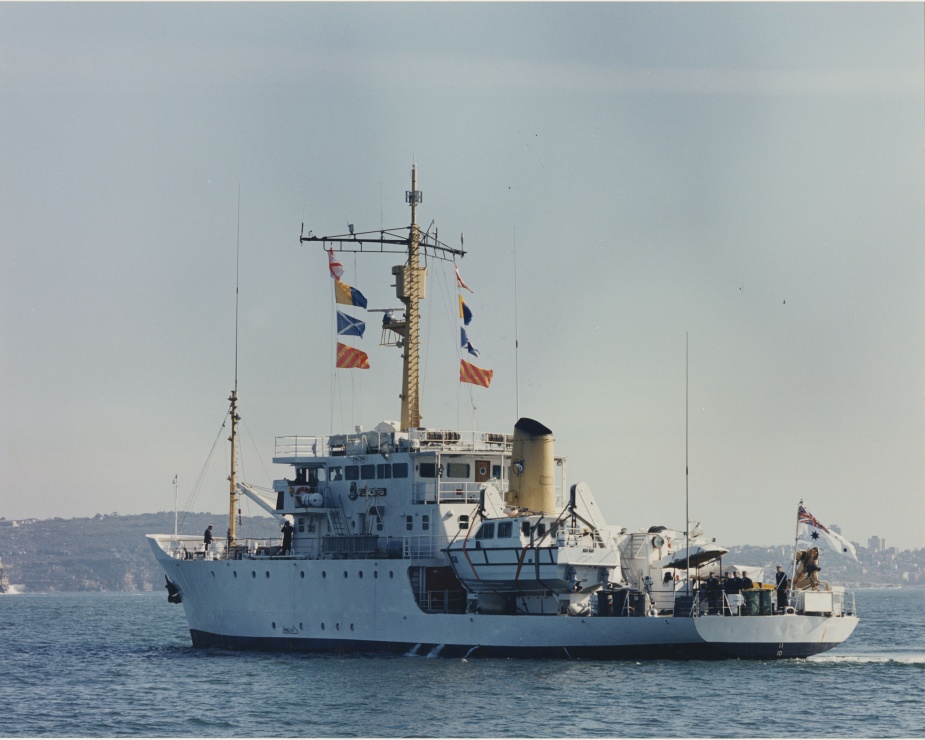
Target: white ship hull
(270,604)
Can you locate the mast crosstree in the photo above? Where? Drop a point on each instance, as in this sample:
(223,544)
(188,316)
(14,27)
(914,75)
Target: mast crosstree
(409,286)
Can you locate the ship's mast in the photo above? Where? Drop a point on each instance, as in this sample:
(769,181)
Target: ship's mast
(232,479)
(410,388)
(409,286)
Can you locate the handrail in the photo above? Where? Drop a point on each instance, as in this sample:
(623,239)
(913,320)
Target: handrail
(296,446)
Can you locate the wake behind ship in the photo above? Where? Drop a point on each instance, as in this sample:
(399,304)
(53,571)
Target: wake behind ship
(469,543)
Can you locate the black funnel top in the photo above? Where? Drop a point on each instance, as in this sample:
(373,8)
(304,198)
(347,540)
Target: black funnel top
(532,427)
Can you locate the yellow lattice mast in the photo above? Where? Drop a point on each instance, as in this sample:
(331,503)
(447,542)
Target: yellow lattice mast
(413,279)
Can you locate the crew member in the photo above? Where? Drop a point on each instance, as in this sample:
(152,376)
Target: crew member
(781,588)
(712,592)
(287,530)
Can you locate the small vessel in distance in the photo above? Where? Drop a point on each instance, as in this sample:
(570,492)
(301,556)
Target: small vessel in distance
(5,586)
(448,542)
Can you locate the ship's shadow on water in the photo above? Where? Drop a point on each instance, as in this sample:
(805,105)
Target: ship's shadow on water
(116,665)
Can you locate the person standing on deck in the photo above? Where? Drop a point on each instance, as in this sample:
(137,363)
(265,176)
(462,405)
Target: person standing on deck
(287,530)
(781,588)
(207,538)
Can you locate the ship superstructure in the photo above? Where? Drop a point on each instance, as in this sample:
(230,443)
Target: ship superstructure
(456,543)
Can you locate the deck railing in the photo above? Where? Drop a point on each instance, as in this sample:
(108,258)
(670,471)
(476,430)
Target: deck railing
(294,447)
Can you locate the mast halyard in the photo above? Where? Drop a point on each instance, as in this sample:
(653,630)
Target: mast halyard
(409,285)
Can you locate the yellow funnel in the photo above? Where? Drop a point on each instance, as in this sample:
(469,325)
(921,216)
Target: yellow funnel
(532,485)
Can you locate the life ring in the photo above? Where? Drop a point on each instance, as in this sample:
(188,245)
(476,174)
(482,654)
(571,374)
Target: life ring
(302,489)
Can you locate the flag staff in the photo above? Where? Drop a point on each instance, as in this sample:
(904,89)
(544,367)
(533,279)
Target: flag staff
(796,541)
(687,507)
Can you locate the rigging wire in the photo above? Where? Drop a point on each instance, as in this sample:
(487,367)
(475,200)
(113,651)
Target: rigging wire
(332,348)
(194,492)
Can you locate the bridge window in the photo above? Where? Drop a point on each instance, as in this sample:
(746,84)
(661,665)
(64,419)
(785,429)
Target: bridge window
(352,472)
(486,531)
(505,529)
(383,471)
(427,470)
(335,473)
(463,521)
(457,470)
(399,470)
(367,472)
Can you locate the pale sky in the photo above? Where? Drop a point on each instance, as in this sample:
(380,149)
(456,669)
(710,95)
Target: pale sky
(747,175)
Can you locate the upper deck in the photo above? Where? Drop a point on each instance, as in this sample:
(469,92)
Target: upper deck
(295,449)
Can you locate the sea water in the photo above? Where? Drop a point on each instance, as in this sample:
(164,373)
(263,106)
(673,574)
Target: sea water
(104,665)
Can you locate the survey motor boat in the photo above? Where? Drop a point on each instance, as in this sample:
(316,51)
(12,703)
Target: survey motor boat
(441,542)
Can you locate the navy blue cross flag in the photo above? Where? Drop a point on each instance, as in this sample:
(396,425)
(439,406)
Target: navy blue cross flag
(349,325)
(464,342)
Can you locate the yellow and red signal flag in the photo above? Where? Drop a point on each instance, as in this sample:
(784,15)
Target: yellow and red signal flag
(469,373)
(351,358)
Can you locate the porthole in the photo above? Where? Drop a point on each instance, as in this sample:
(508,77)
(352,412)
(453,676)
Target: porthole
(301,574)
(234,573)
(324,574)
(253,574)
(391,574)
(351,628)
(300,625)
(337,626)
(322,626)
(268,574)
(274,625)
(345,574)
(213,574)
(375,574)
(360,574)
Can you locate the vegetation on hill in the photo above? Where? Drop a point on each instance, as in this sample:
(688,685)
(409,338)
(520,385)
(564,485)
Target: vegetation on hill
(102,553)
(111,553)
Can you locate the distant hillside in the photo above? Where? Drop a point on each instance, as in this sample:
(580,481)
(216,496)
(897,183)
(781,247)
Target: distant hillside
(105,553)
(110,553)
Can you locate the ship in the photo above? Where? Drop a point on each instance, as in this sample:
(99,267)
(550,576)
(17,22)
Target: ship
(441,542)
(5,586)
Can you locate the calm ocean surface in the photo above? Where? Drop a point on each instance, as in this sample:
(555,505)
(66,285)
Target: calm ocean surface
(104,665)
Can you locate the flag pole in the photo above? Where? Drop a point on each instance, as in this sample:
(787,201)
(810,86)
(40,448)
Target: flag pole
(796,540)
(687,508)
